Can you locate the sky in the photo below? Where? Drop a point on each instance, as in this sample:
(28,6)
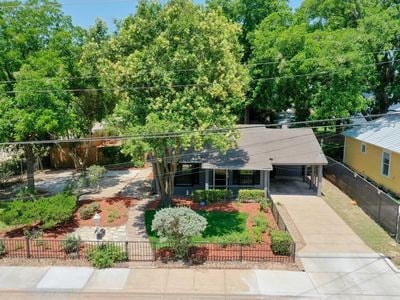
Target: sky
(85,12)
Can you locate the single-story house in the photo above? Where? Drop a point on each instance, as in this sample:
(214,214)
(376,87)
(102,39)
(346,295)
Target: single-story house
(373,150)
(261,154)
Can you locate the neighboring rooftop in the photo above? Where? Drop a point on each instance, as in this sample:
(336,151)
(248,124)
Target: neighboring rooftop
(260,148)
(383,132)
(395,107)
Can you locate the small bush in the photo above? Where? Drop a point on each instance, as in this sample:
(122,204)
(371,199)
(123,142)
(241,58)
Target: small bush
(260,222)
(88,211)
(264,205)
(251,195)
(3,250)
(178,226)
(71,244)
(106,255)
(211,196)
(113,215)
(280,242)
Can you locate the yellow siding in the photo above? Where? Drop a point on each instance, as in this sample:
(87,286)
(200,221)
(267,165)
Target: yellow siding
(369,164)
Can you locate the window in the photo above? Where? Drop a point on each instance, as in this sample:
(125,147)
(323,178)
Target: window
(187,175)
(363,148)
(246,177)
(385,163)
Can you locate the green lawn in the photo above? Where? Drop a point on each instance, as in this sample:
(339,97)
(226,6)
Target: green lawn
(370,232)
(224,227)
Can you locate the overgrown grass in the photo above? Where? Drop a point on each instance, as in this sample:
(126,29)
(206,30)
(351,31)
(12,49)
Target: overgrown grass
(223,227)
(370,232)
(3,206)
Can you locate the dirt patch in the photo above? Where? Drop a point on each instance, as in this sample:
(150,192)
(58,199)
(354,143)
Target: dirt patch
(113,211)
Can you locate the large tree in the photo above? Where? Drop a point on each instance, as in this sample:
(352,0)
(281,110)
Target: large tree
(322,59)
(319,73)
(377,21)
(248,14)
(37,50)
(176,68)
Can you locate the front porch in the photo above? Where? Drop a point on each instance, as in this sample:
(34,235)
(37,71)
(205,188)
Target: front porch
(291,180)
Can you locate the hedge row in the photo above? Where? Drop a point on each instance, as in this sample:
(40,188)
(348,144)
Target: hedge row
(251,195)
(210,196)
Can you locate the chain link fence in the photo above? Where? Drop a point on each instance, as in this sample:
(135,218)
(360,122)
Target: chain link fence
(380,206)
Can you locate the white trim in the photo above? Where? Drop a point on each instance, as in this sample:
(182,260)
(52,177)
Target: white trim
(382,160)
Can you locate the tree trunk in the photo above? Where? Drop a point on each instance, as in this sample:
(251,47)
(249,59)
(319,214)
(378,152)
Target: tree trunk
(164,175)
(30,166)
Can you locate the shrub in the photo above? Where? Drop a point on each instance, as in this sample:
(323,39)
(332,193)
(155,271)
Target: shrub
(90,178)
(210,196)
(178,226)
(45,212)
(280,242)
(260,222)
(94,174)
(105,255)
(242,238)
(264,205)
(88,211)
(113,215)
(251,195)
(71,244)
(3,250)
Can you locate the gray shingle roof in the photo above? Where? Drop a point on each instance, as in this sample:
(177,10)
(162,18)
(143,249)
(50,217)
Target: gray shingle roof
(383,132)
(260,148)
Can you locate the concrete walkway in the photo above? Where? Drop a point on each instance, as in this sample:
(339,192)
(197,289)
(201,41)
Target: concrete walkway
(370,276)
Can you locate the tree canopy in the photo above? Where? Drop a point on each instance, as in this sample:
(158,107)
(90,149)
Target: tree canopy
(179,73)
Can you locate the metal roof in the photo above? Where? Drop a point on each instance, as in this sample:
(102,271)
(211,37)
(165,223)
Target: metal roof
(383,132)
(260,148)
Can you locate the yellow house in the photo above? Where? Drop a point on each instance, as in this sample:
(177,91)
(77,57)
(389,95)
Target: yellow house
(373,150)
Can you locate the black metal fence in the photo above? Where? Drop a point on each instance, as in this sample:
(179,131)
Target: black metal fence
(382,207)
(141,251)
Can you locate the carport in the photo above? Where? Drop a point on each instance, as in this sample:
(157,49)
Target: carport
(296,157)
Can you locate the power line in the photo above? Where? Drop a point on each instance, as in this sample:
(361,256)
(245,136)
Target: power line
(132,88)
(177,134)
(195,69)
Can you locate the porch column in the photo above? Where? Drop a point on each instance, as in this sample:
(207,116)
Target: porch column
(266,183)
(207,179)
(226,179)
(305,173)
(312,177)
(319,188)
(213,179)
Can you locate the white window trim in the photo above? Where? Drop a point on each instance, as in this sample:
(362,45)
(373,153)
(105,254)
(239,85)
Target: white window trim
(390,162)
(365,148)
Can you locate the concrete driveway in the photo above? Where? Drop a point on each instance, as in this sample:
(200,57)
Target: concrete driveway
(321,230)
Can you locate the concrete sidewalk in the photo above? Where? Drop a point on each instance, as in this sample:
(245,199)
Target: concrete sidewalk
(326,276)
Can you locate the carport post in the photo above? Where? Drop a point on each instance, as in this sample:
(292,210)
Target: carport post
(312,177)
(319,188)
(305,173)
